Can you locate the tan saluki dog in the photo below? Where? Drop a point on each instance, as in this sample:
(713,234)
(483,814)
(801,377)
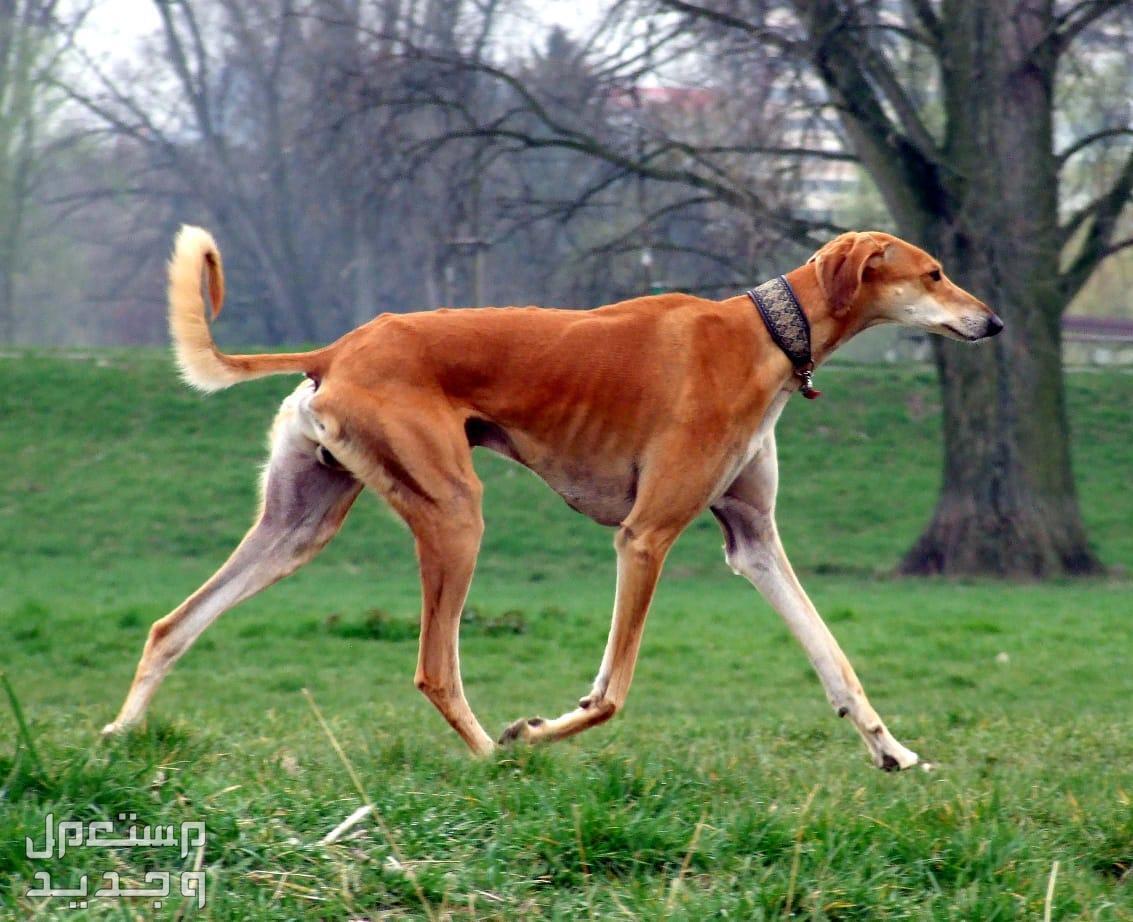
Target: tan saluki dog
(640,414)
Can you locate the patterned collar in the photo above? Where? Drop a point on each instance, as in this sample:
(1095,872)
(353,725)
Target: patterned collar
(788,326)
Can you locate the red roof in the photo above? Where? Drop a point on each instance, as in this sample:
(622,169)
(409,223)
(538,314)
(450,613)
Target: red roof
(672,97)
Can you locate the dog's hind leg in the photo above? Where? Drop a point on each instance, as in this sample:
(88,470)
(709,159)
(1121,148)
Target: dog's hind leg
(424,471)
(304,503)
(747,516)
(448,541)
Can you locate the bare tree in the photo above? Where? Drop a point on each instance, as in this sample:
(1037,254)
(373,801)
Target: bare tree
(32,41)
(305,132)
(979,185)
(951,108)
(255,114)
(390,152)
(228,120)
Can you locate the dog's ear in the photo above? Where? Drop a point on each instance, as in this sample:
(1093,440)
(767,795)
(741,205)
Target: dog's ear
(841,264)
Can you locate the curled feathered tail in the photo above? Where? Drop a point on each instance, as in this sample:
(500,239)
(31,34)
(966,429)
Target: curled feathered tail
(202,365)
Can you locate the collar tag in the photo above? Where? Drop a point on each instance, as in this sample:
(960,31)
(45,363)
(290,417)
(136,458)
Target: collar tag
(806,376)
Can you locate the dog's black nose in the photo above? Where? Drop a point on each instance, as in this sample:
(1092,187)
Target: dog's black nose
(994,326)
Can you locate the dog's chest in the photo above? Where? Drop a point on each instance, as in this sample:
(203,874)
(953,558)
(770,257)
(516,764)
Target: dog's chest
(759,440)
(766,426)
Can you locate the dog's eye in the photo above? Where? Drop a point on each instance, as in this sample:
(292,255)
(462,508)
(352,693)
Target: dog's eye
(935,275)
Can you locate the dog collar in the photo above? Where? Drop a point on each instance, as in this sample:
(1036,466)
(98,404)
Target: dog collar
(788,326)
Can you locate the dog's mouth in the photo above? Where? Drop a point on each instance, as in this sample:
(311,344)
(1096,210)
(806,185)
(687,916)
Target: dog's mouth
(953,332)
(992,326)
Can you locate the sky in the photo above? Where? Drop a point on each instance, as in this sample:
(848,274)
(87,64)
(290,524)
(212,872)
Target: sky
(115,25)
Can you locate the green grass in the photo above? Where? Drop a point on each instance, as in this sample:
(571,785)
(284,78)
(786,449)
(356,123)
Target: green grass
(727,789)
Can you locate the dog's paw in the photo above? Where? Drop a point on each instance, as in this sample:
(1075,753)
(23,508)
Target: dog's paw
(111,730)
(899,759)
(522,731)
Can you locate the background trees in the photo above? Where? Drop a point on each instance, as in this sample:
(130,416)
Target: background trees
(971,170)
(951,110)
(360,156)
(32,41)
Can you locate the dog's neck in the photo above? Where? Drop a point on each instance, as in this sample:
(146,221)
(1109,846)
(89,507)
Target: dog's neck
(797,314)
(827,332)
(789,327)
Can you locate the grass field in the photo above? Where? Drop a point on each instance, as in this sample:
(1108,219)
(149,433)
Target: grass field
(727,789)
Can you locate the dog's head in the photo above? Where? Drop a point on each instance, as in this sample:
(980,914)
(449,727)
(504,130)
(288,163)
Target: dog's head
(885,279)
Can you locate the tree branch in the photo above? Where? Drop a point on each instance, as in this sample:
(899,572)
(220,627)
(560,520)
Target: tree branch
(1085,141)
(1117,247)
(563,136)
(838,25)
(1070,24)
(728,21)
(928,18)
(906,165)
(1103,216)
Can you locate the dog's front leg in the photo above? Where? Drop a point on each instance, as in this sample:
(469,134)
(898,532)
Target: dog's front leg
(746,514)
(641,554)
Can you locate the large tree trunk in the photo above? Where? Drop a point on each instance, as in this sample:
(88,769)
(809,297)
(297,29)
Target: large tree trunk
(1007,505)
